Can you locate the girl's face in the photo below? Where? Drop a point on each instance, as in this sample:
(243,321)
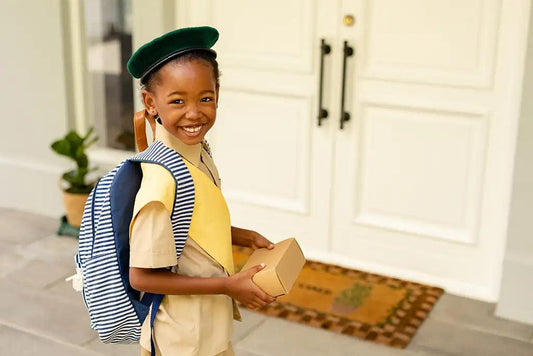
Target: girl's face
(185,97)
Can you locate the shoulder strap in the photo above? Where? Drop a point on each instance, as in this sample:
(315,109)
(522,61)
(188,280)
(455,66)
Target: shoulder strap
(139,127)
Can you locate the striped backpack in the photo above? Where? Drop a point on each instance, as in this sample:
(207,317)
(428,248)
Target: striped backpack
(116,310)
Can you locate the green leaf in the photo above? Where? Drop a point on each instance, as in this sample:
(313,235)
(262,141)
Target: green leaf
(76,177)
(81,157)
(82,172)
(72,177)
(75,142)
(91,142)
(91,129)
(62,147)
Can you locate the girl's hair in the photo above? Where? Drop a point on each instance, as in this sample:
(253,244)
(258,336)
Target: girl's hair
(151,79)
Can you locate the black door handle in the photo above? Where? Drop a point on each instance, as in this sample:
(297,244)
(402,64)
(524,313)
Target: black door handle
(347,52)
(324,50)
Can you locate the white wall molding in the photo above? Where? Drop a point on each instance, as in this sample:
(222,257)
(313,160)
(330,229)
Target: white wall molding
(516,290)
(31,185)
(514,302)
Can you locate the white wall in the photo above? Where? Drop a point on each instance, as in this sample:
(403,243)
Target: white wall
(516,291)
(34,104)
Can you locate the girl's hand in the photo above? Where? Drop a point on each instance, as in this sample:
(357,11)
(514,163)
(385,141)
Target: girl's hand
(249,238)
(259,241)
(241,287)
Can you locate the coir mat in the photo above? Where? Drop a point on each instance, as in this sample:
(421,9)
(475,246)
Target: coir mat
(368,306)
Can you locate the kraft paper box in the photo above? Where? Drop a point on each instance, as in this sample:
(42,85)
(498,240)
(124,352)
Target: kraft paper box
(283,265)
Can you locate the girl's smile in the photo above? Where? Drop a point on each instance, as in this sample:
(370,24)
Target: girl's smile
(192,129)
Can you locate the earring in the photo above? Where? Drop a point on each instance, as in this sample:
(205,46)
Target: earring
(158,119)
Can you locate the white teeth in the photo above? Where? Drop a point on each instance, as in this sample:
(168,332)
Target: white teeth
(193,129)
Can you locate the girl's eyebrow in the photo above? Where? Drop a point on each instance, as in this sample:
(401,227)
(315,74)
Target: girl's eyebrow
(175,93)
(207,91)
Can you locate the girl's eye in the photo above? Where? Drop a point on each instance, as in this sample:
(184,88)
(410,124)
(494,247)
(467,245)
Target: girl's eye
(207,99)
(177,101)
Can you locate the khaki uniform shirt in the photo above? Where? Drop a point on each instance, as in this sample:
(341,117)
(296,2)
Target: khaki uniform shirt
(185,324)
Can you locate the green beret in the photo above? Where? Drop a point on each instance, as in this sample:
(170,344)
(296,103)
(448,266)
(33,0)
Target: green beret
(164,48)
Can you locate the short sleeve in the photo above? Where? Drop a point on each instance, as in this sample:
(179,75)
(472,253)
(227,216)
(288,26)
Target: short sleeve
(158,185)
(151,237)
(151,240)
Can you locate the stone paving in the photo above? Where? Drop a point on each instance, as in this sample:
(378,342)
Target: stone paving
(40,314)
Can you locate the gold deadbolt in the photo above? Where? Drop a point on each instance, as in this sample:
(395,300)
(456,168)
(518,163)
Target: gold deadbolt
(348,20)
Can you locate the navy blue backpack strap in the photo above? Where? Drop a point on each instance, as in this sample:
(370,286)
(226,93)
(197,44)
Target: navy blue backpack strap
(122,198)
(155,307)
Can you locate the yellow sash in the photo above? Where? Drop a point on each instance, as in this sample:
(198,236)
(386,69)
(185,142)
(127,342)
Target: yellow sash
(210,224)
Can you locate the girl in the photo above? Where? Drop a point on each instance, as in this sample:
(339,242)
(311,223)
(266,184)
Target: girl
(180,87)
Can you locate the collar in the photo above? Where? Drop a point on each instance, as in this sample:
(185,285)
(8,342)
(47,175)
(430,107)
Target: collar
(191,153)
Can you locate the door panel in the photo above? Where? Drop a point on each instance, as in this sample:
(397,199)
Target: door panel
(286,44)
(444,42)
(267,163)
(416,171)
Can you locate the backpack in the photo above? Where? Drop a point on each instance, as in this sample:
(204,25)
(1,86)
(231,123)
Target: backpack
(115,309)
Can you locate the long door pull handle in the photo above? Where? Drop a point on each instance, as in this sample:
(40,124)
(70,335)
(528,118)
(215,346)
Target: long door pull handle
(325,49)
(347,52)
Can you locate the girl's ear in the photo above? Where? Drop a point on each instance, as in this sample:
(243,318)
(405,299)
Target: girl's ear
(149,102)
(216,94)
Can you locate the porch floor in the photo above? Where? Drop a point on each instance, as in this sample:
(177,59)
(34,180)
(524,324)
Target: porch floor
(41,314)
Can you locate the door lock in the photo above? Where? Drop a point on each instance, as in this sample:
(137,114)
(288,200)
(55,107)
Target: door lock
(348,20)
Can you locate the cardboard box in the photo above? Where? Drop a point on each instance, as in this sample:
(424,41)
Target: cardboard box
(283,265)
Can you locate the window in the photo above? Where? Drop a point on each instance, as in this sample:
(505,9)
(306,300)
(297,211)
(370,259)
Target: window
(108,32)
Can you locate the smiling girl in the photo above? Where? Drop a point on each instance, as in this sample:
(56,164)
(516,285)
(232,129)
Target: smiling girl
(180,89)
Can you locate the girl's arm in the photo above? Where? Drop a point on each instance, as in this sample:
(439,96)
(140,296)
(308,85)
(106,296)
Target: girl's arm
(249,238)
(239,286)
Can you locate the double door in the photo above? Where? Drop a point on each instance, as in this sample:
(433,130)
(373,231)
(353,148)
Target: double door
(409,173)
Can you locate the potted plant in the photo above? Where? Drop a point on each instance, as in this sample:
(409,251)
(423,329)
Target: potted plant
(77,191)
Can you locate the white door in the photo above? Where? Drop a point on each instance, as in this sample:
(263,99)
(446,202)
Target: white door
(422,169)
(275,162)
(417,183)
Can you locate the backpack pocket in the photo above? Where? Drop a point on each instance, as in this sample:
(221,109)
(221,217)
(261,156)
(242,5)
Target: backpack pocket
(110,309)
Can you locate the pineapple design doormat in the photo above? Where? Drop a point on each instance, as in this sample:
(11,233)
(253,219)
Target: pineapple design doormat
(368,306)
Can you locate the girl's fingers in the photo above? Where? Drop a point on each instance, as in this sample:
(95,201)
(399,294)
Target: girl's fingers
(259,241)
(264,297)
(265,301)
(260,301)
(253,306)
(267,243)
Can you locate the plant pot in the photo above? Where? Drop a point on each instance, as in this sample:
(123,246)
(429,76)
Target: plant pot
(74,204)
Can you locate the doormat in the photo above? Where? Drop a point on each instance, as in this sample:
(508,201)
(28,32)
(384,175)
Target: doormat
(369,306)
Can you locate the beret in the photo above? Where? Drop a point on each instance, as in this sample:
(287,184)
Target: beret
(170,45)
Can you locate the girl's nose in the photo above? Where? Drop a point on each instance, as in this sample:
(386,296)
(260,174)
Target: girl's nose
(192,112)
